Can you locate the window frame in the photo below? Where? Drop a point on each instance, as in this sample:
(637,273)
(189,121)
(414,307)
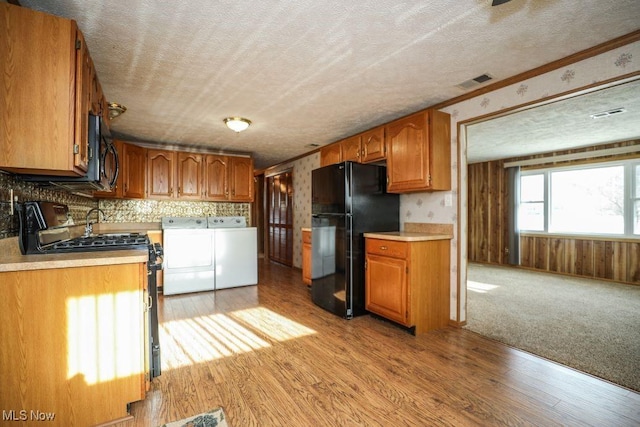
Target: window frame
(631,197)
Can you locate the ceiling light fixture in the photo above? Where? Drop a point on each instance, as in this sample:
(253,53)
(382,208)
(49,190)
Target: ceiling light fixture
(115,110)
(237,124)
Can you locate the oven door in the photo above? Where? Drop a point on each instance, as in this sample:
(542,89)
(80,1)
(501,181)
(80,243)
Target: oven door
(189,262)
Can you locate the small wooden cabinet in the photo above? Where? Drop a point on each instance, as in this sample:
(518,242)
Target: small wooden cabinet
(350,149)
(133,169)
(216,178)
(362,148)
(46,75)
(306,257)
(373,146)
(330,154)
(419,153)
(161,166)
(241,179)
(190,182)
(408,282)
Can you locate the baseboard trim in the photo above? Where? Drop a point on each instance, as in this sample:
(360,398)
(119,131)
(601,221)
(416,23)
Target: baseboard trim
(456,324)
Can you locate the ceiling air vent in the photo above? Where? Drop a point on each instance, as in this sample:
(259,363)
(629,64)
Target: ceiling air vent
(608,113)
(475,81)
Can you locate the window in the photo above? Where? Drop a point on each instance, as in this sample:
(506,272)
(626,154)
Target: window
(531,212)
(600,199)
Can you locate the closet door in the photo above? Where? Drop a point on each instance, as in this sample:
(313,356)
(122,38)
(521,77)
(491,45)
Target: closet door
(280,223)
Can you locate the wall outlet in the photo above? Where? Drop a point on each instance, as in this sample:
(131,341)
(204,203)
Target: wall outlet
(448,200)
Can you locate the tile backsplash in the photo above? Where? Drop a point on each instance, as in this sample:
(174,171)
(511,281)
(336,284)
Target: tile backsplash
(154,210)
(116,210)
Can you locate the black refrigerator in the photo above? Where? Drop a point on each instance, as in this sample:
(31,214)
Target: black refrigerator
(347,200)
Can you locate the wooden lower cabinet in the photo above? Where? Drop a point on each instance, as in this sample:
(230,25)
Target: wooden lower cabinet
(306,257)
(408,282)
(73,342)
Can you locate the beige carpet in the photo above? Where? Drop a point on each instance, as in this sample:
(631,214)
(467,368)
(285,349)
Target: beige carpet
(213,418)
(590,325)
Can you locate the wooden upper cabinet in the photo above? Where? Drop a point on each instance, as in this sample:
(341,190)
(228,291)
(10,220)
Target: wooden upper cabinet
(45,72)
(190,176)
(419,153)
(373,145)
(133,171)
(363,148)
(331,154)
(241,179)
(161,165)
(216,179)
(85,77)
(351,149)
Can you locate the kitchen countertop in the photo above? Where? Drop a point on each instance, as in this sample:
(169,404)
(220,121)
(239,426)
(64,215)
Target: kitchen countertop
(407,236)
(12,260)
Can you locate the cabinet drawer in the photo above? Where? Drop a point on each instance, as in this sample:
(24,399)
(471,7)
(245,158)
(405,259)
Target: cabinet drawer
(306,237)
(386,248)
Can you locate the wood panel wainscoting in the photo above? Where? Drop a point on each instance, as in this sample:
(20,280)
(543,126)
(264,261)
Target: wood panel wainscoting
(488,232)
(600,259)
(270,357)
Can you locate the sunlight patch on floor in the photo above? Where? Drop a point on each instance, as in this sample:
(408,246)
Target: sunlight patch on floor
(481,288)
(205,338)
(272,324)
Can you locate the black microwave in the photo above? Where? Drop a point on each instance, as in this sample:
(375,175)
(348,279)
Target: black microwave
(102,168)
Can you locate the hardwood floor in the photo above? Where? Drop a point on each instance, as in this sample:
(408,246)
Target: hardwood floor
(270,357)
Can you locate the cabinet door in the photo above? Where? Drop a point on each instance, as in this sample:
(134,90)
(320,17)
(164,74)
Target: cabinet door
(387,291)
(85,75)
(351,149)
(407,154)
(241,179)
(38,93)
(133,171)
(190,176)
(161,174)
(306,257)
(373,147)
(216,181)
(331,154)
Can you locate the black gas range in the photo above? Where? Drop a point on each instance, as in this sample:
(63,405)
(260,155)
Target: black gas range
(47,228)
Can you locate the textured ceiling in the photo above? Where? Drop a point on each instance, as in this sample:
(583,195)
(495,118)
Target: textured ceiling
(559,125)
(310,72)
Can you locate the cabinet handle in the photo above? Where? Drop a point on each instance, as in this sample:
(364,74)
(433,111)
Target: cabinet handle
(383,248)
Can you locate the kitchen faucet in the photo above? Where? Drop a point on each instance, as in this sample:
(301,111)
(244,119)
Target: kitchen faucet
(88,228)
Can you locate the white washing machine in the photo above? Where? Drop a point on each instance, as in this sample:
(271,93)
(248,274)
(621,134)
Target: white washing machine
(236,252)
(189,262)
